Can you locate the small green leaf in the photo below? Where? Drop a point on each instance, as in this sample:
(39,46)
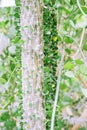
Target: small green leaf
(17,15)
(4,116)
(85,47)
(69,65)
(21,41)
(2,80)
(16,40)
(68,50)
(78,61)
(72,2)
(46,1)
(84,8)
(66,10)
(59,38)
(63,86)
(68,39)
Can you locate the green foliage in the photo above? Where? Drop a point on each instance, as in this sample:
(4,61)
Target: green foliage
(68,39)
(69,65)
(5,116)
(10,124)
(10,68)
(85,47)
(50,61)
(84,8)
(62,27)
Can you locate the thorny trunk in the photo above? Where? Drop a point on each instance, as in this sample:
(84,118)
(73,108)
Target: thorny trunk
(32,64)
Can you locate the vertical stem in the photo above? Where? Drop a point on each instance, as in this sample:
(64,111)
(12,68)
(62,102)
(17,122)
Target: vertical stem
(32,64)
(57,91)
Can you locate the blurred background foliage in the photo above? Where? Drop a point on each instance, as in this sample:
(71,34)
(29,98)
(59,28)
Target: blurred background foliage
(64,27)
(10,69)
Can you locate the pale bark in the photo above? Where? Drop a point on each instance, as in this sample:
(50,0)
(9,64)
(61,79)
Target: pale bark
(32,64)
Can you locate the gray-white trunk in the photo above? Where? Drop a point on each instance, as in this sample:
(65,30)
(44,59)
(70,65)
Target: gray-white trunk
(32,64)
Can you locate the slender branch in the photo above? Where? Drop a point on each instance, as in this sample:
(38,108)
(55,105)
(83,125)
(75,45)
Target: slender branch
(81,8)
(81,40)
(84,59)
(82,81)
(57,90)
(80,45)
(83,32)
(11,74)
